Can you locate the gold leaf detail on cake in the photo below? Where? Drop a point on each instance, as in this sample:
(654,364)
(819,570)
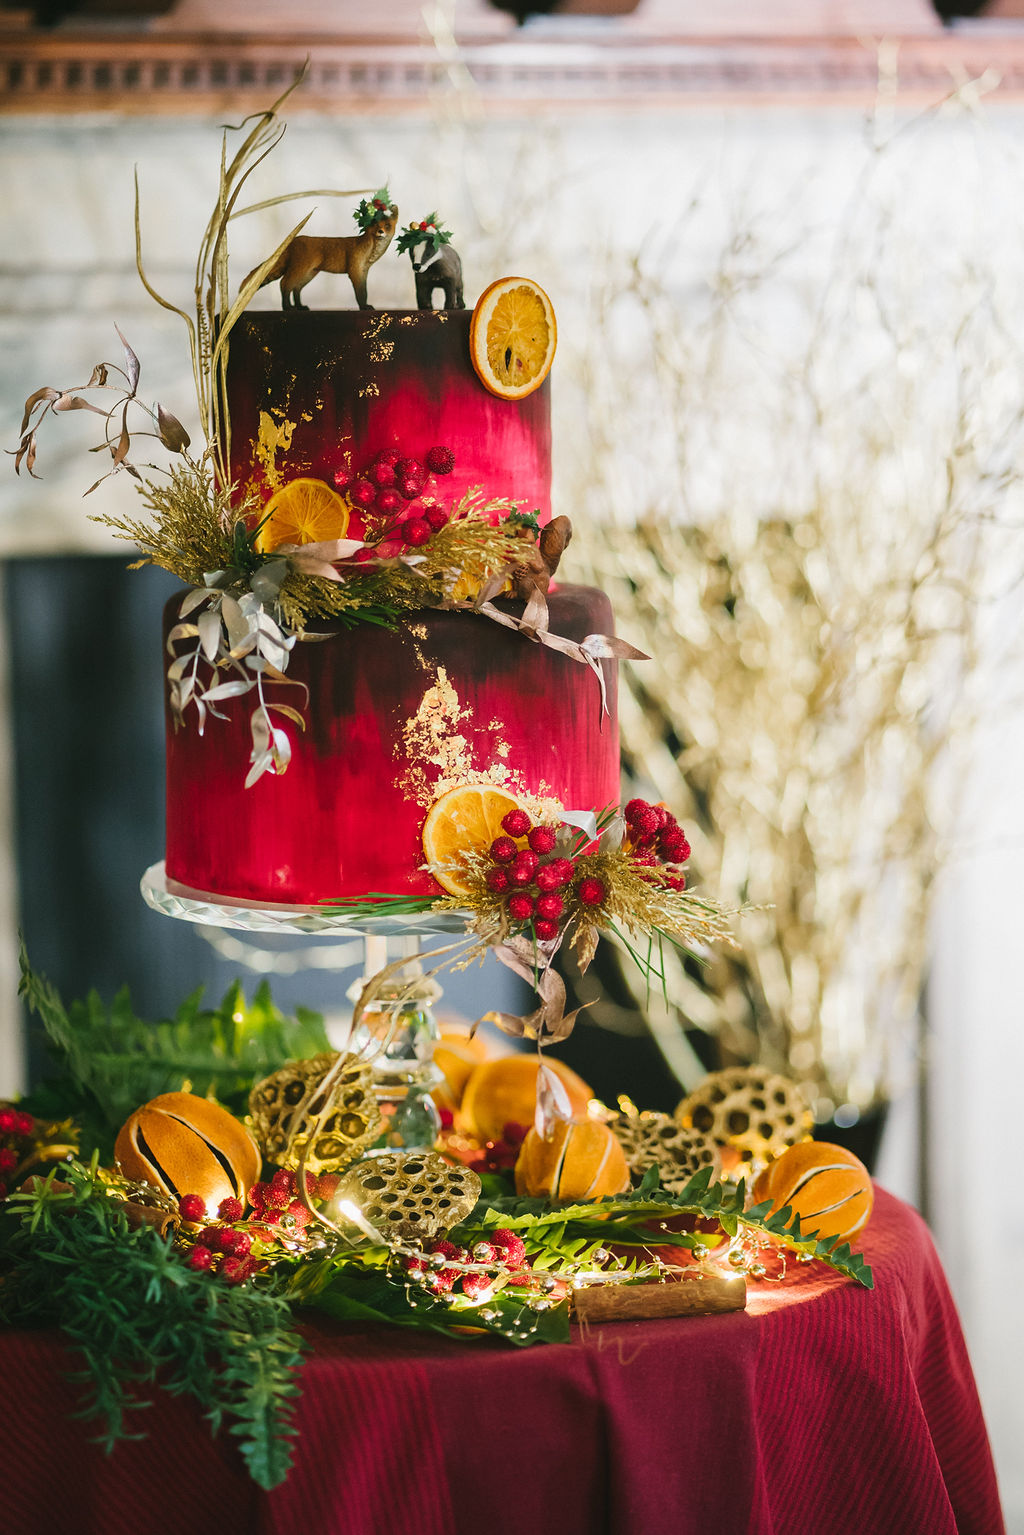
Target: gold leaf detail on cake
(381,351)
(431,739)
(378,325)
(273,438)
(368,390)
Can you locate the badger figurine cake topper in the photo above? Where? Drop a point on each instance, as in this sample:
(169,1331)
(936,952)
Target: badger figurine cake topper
(435,262)
(306,255)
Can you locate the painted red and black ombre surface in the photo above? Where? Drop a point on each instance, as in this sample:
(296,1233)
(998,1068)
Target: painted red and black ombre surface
(342,820)
(351,382)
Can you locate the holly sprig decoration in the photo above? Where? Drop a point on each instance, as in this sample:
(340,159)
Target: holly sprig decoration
(371,209)
(429,231)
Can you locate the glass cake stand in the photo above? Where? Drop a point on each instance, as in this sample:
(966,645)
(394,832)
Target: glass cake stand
(398,1029)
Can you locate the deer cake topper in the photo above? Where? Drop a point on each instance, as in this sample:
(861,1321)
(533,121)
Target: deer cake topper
(435,262)
(306,255)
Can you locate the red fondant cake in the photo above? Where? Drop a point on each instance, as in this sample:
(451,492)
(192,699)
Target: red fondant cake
(394,717)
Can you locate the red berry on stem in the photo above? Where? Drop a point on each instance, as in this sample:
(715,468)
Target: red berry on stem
(363,493)
(389,456)
(342,478)
(550,907)
(520,907)
(231,1210)
(200,1259)
(503,850)
(498,880)
(523,867)
(556,874)
(440,460)
(284,1178)
(210,1237)
(387,503)
(511,1245)
(327,1185)
(8,1160)
(476,1285)
(437,517)
(299,1214)
(8,1121)
(25,1125)
(191,1207)
(416,531)
(381,474)
(591,891)
(542,839)
(232,1270)
(545,930)
(517,823)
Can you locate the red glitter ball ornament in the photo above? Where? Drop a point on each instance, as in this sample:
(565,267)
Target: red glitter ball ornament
(440,460)
(437,517)
(542,839)
(390,456)
(591,891)
(191,1207)
(381,474)
(545,930)
(342,478)
(550,906)
(231,1210)
(517,823)
(497,880)
(520,907)
(523,867)
(503,850)
(363,493)
(416,531)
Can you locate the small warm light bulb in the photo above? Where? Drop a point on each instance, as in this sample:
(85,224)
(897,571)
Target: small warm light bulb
(352,1213)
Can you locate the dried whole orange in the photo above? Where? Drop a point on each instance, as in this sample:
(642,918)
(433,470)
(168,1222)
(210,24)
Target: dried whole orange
(465,820)
(512,337)
(457,1056)
(184,1144)
(827,1186)
(580,1159)
(304,511)
(504,1092)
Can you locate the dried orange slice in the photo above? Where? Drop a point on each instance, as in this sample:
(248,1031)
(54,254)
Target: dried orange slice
(512,337)
(465,820)
(302,512)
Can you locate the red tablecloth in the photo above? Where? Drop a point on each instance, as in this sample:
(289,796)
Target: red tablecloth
(823,1407)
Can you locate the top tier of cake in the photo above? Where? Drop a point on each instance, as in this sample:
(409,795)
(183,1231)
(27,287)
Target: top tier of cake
(313,392)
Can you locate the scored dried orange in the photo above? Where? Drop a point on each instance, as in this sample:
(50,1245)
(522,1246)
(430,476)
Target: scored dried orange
(302,512)
(465,820)
(512,337)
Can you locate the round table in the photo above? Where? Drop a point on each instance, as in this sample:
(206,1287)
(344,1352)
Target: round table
(823,1407)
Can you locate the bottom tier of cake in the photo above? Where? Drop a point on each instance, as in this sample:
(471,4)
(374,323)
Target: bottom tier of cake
(394,718)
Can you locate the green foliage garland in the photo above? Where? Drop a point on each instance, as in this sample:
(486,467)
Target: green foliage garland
(138,1315)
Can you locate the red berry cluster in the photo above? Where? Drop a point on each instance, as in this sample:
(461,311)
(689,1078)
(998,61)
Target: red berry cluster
(656,840)
(534,880)
(397,493)
(16,1129)
(219,1249)
(504,1251)
(498,1156)
(279,1209)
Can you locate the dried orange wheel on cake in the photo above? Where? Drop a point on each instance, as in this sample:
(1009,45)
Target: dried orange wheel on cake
(465,820)
(304,511)
(827,1186)
(512,337)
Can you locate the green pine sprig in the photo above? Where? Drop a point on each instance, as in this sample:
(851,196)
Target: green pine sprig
(137,1316)
(117,1060)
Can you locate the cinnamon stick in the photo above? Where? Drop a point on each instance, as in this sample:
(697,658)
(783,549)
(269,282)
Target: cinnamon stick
(682,1297)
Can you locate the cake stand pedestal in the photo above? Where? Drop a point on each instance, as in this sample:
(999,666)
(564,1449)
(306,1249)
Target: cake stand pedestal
(397,1030)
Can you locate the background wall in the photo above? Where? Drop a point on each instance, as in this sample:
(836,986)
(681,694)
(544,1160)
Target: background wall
(568,199)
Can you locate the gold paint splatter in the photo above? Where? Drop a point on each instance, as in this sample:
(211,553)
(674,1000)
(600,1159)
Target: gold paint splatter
(273,438)
(432,739)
